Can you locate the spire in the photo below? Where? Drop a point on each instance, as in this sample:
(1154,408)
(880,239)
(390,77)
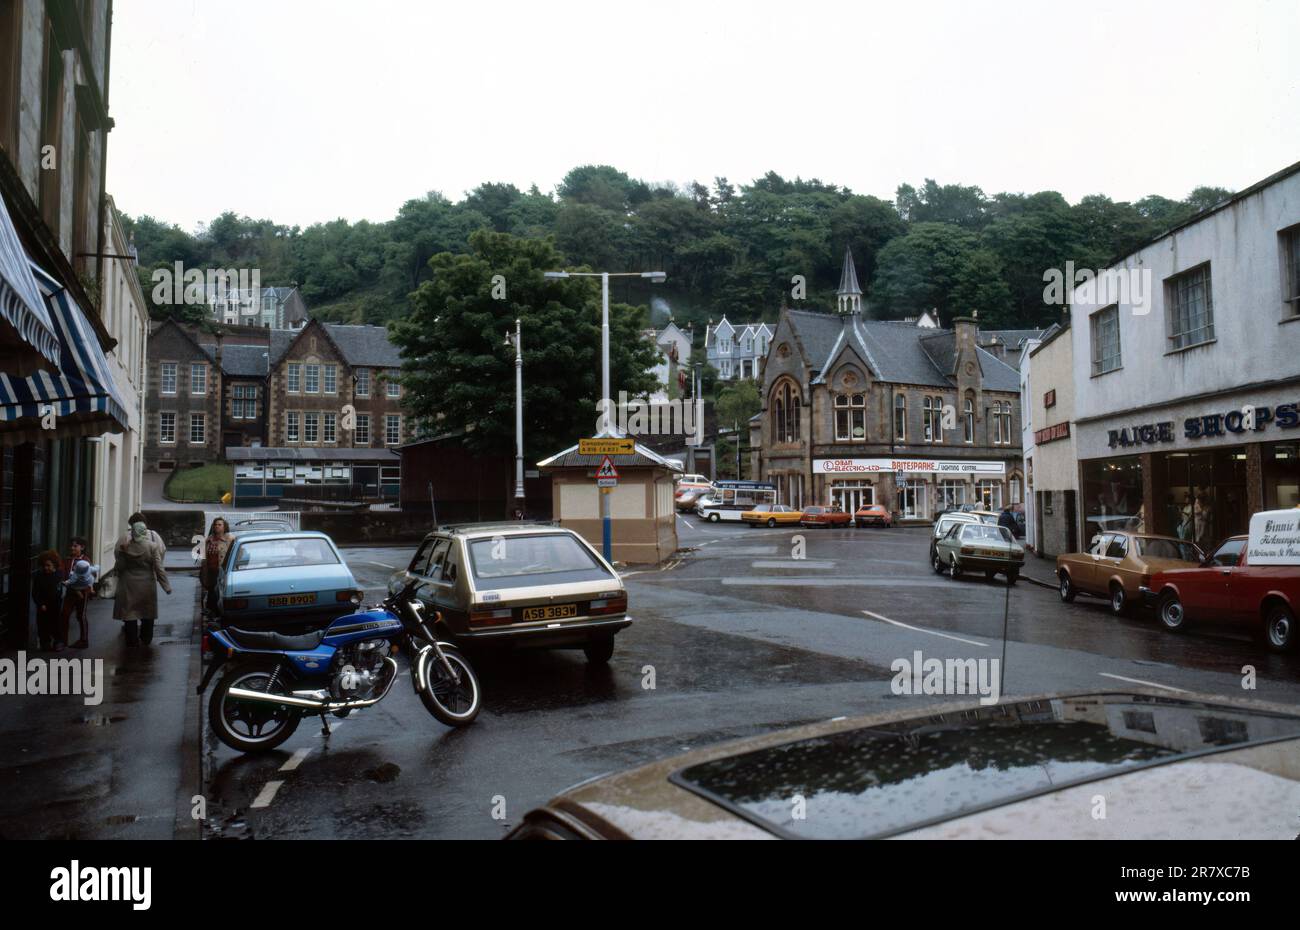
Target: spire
(850,293)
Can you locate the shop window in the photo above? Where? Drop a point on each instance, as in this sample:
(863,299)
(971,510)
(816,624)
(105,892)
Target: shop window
(1281,463)
(1104,327)
(1112,496)
(1190,308)
(1204,495)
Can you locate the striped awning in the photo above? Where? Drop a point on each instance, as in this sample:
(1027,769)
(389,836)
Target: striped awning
(21,306)
(81,395)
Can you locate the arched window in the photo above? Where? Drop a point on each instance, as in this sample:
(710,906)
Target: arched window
(785,412)
(900,418)
(968,420)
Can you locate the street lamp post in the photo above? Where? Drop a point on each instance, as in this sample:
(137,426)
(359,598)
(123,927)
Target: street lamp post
(655,277)
(517,341)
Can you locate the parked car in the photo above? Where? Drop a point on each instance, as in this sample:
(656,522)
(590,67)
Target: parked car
(519,585)
(1263,599)
(873,515)
(944,522)
(1119,565)
(686,498)
(978,547)
(771,515)
(1015,770)
(825,516)
(694,481)
(285,582)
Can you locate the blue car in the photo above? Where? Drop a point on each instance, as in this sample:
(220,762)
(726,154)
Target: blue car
(284,581)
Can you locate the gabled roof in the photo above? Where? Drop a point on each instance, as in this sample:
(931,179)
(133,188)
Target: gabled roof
(641,457)
(245,361)
(361,345)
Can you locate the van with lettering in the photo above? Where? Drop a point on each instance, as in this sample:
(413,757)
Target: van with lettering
(1251,582)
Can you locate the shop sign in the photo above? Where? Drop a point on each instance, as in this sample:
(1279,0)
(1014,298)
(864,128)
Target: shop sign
(1207,426)
(922,466)
(1274,538)
(1052,433)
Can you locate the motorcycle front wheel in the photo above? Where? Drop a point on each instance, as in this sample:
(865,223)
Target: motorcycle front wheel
(248,726)
(453,703)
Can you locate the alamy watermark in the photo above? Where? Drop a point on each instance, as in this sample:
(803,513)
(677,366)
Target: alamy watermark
(216,286)
(22,676)
(631,417)
(919,675)
(1127,287)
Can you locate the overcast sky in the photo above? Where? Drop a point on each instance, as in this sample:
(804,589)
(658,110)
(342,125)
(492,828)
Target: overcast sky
(303,112)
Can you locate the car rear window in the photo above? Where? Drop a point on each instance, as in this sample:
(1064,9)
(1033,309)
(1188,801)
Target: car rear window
(284,553)
(879,781)
(1168,549)
(978,532)
(545,558)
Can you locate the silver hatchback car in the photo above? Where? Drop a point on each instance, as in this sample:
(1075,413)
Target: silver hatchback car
(523,585)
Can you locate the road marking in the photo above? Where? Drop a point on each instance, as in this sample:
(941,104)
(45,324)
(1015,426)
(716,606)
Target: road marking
(296,759)
(391,568)
(791,563)
(920,629)
(267,794)
(1139,681)
(684,520)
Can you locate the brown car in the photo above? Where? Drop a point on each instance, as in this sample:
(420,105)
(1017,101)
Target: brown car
(1022,769)
(1120,564)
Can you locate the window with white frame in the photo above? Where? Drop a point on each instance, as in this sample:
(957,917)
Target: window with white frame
(968,420)
(198,378)
(198,429)
(1291,269)
(1002,422)
(1190,308)
(331,379)
(361,434)
(329,427)
(244,404)
(293,378)
(850,417)
(363,382)
(1104,327)
(900,418)
(393,388)
(167,377)
(311,381)
(311,427)
(291,424)
(167,428)
(952,494)
(932,418)
(392,429)
(989,493)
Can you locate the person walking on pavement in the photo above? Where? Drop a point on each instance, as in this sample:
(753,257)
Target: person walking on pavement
(78,588)
(157,540)
(46,588)
(71,603)
(138,564)
(1008,519)
(214,553)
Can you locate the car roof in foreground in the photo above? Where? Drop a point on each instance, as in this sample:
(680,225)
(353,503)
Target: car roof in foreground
(505,528)
(265,536)
(891,774)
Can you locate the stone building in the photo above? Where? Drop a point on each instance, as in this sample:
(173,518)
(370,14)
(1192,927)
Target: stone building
(860,411)
(736,349)
(183,415)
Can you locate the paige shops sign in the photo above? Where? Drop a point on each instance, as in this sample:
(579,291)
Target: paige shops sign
(1247,419)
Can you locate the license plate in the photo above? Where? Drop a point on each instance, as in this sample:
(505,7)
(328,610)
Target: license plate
(551,612)
(291,600)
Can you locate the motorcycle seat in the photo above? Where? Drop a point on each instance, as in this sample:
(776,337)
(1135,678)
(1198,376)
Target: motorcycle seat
(268,639)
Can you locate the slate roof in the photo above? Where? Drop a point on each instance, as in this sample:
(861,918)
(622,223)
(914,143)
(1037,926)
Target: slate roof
(244,361)
(367,346)
(897,352)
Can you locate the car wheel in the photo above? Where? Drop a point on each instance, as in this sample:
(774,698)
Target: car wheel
(599,651)
(1013,576)
(713,518)
(1279,628)
(954,570)
(1067,588)
(1172,614)
(990,575)
(1118,600)
(937,564)
(770,522)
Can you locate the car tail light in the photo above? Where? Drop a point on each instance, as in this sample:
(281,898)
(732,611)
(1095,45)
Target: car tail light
(205,647)
(608,605)
(967,550)
(490,617)
(237,603)
(346,596)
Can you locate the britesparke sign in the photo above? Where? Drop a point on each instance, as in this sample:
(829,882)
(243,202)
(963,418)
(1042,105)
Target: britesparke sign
(1274,538)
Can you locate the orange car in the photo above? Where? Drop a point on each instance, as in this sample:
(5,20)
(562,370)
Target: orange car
(1119,564)
(873,515)
(825,516)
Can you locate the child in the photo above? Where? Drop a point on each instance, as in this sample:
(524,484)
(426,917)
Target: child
(45,593)
(79,585)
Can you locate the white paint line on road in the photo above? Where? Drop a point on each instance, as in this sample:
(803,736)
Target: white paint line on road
(921,629)
(682,519)
(267,794)
(391,568)
(791,563)
(1139,681)
(296,759)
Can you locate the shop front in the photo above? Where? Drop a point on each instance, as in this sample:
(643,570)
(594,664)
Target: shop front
(914,489)
(1194,471)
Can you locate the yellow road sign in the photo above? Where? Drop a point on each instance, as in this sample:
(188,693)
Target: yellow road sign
(606,446)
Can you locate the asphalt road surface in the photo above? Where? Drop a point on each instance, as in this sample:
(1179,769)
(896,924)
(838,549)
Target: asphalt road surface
(737,637)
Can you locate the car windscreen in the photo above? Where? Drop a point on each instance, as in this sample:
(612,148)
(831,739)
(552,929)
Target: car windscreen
(1168,549)
(877,781)
(284,553)
(545,558)
(979,532)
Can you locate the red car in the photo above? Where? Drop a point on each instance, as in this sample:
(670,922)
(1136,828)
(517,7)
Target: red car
(873,515)
(1225,587)
(825,516)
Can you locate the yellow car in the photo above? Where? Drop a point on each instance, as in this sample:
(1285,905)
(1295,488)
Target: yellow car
(771,515)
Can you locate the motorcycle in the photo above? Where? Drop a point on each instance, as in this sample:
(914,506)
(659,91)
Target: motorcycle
(272,680)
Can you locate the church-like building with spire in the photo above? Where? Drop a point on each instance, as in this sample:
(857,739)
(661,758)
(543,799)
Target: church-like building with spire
(857,411)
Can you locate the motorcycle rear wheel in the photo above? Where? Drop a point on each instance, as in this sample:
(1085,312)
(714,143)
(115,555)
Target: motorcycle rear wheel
(246,726)
(454,705)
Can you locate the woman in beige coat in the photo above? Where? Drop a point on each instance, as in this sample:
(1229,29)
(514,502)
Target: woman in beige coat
(138,564)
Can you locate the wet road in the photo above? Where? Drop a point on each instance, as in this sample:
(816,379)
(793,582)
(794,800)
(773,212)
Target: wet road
(739,638)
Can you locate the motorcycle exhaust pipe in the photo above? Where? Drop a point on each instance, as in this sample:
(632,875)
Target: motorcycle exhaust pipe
(283,700)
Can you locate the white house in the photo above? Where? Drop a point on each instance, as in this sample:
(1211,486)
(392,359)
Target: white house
(734,350)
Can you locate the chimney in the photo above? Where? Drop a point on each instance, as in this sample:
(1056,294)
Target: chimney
(967,330)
